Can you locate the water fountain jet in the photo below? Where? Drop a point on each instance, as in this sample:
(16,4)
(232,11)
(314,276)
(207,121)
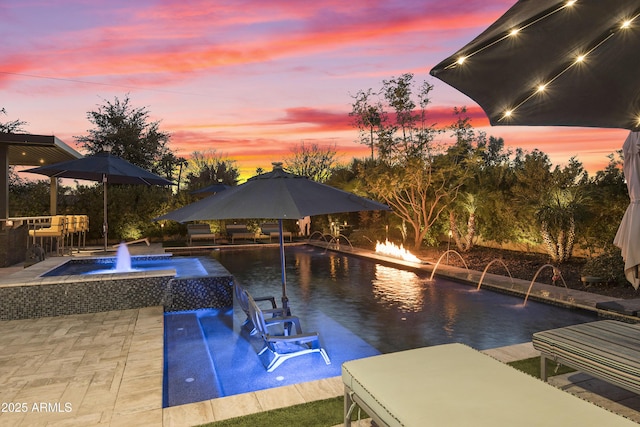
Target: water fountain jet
(321,236)
(123,262)
(487,268)
(556,274)
(123,259)
(336,242)
(447,252)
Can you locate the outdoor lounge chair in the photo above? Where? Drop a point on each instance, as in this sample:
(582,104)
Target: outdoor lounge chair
(605,349)
(56,230)
(455,385)
(200,231)
(240,231)
(284,347)
(243,301)
(272,230)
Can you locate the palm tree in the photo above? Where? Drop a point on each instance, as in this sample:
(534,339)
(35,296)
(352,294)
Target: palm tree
(468,204)
(557,219)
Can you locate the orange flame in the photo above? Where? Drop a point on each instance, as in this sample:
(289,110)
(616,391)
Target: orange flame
(391,249)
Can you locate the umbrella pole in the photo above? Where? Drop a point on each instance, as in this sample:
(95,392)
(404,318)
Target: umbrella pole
(285,299)
(105,225)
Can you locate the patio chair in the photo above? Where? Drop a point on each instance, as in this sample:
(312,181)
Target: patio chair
(73,228)
(284,347)
(56,230)
(83,229)
(243,301)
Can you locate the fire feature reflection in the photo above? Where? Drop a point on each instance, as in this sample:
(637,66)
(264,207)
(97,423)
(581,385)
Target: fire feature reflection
(399,288)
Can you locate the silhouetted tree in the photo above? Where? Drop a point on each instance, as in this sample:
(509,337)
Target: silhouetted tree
(312,160)
(12,126)
(210,167)
(369,117)
(128,133)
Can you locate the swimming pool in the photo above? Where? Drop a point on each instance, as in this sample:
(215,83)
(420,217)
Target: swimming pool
(394,309)
(358,306)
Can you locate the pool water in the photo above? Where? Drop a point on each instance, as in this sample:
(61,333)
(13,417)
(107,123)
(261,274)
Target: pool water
(359,307)
(394,309)
(209,355)
(184,266)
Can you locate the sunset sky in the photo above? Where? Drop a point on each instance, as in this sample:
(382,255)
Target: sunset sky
(247,78)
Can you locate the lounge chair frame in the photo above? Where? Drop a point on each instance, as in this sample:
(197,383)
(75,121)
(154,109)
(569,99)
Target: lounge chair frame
(306,343)
(242,298)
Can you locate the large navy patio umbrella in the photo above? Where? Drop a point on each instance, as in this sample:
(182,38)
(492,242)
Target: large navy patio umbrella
(102,167)
(554,63)
(210,189)
(560,63)
(275,195)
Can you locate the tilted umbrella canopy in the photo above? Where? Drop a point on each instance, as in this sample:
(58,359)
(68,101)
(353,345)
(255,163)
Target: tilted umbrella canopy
(102,167)
(274,195)
(561,63)
(554,63)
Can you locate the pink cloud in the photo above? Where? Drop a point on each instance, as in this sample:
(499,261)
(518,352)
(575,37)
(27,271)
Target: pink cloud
(174,38)
(321,119)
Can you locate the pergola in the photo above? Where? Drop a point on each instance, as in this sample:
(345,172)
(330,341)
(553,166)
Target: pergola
(30,150)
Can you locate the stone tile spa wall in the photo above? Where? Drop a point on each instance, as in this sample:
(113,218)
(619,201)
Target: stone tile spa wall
(56,296)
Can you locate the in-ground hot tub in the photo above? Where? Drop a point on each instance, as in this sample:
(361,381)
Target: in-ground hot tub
(174,283)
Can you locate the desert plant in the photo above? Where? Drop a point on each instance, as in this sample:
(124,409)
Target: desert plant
(609,265)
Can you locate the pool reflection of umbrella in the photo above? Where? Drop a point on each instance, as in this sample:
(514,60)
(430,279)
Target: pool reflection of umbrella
(274,195)
(556,63)
(102,167)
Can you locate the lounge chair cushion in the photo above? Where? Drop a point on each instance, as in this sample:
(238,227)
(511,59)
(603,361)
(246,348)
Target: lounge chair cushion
(455,385)
(607,349)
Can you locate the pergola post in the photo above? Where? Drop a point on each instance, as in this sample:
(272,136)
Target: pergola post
(53,196)
(4,182)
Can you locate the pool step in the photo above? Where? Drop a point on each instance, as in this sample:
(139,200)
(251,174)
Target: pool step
(189,374)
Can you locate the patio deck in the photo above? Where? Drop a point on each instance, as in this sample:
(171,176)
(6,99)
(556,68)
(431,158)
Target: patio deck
(105,368)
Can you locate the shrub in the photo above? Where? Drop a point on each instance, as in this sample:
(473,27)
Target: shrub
(609,266)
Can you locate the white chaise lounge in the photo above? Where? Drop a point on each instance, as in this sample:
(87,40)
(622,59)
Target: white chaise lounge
(455,385)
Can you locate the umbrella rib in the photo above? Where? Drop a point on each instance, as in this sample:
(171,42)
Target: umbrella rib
(57,175)
(533,20)
(598,42)
(563,70)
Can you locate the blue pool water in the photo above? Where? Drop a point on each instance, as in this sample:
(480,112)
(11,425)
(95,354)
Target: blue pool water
(184,266)
(359,307)
(209,355)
